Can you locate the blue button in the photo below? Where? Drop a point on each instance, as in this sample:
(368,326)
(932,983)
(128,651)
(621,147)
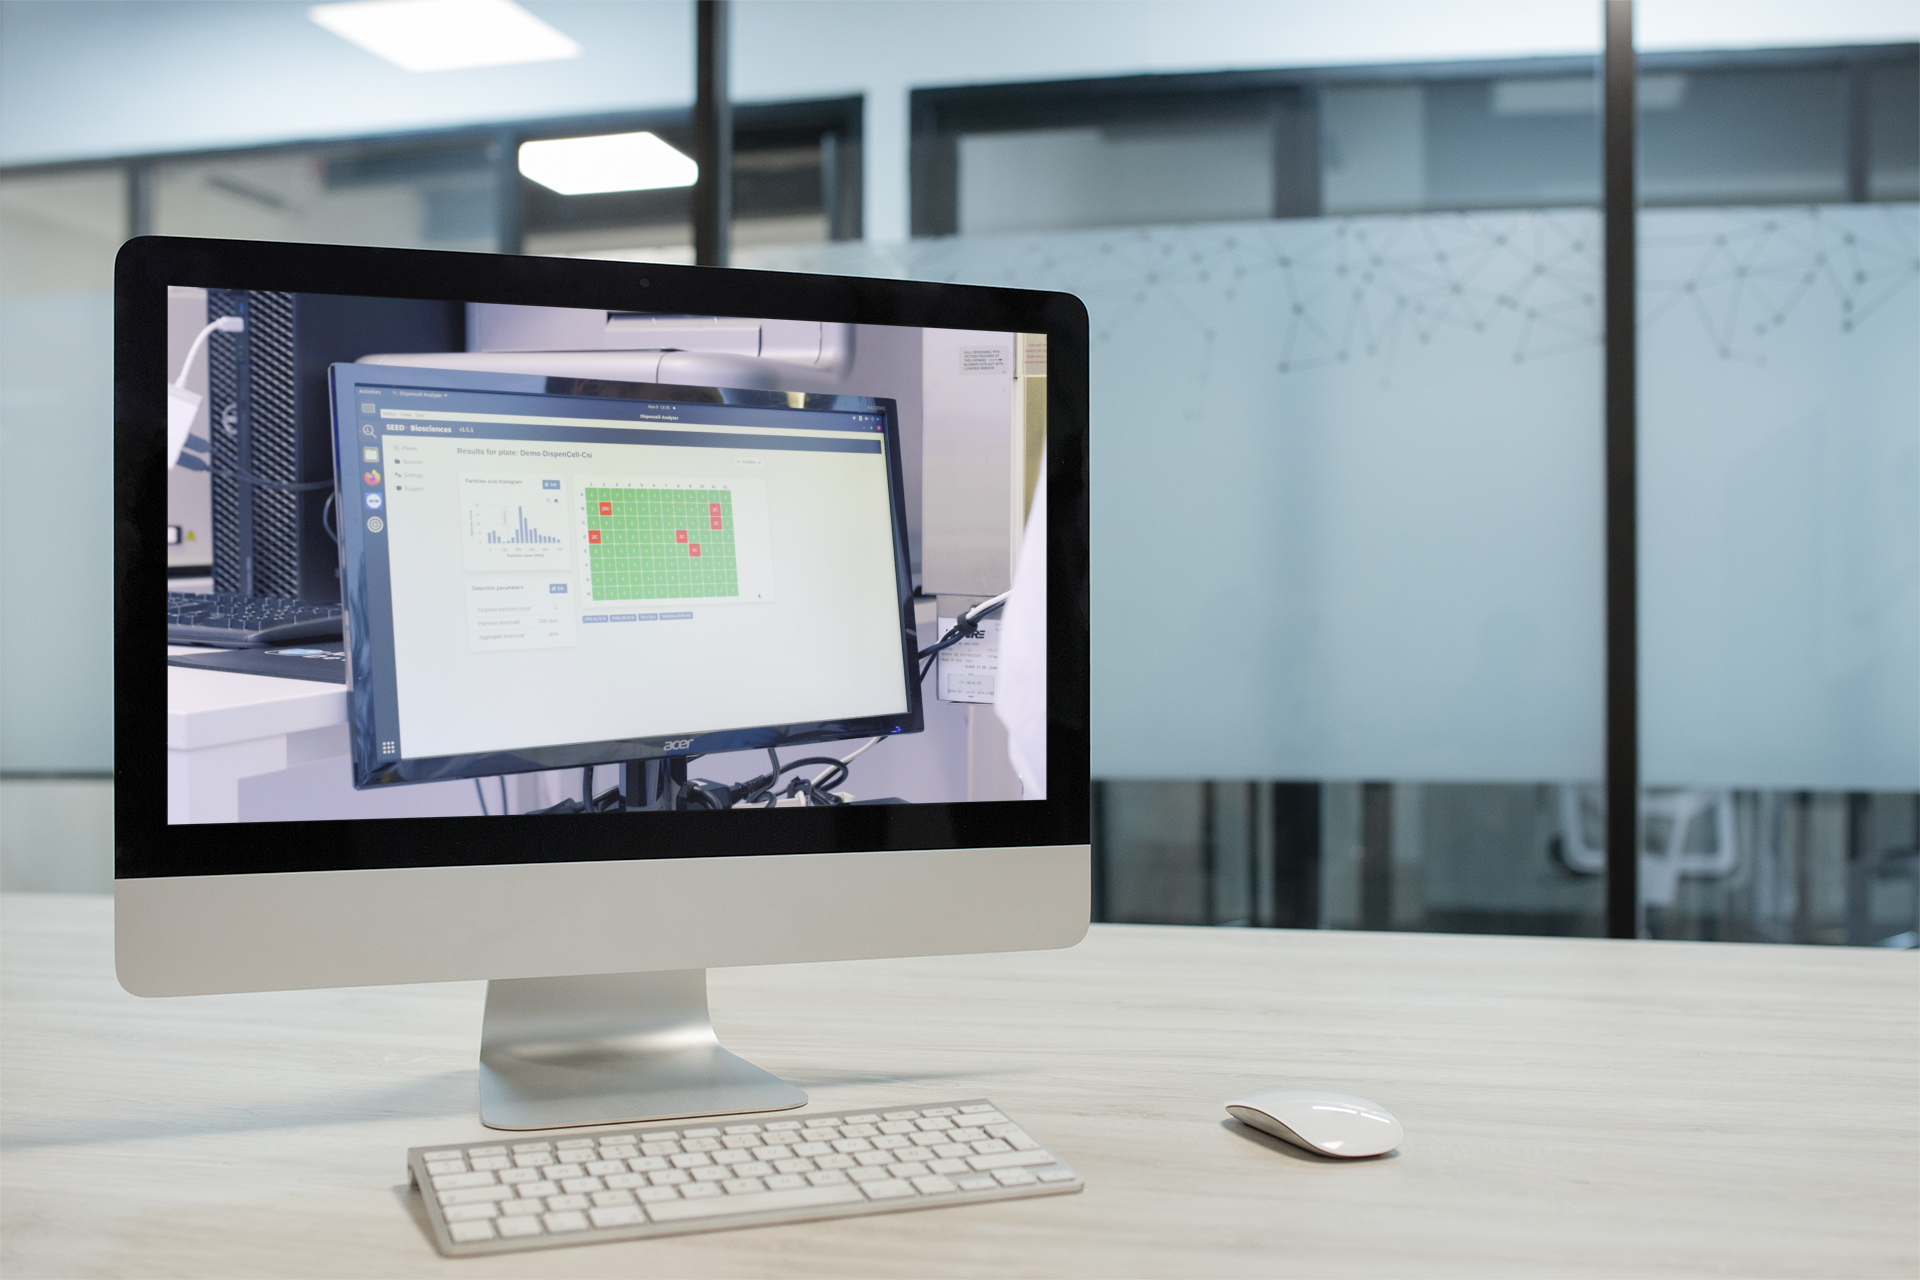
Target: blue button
(595,617)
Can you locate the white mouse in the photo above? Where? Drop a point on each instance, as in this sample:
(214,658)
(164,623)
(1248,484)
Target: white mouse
(1325,1123)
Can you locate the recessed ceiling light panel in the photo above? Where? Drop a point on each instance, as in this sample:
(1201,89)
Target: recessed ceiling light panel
(609,162)
(445,35)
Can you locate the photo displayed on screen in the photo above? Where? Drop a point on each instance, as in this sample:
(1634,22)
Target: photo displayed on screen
(501,560)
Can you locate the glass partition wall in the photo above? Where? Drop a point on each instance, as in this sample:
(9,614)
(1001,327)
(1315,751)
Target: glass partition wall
(1349,653)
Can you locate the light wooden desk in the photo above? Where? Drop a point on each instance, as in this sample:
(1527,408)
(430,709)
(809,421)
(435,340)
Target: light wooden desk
(1572,1107)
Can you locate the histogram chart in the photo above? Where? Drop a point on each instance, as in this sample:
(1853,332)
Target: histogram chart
(513,522)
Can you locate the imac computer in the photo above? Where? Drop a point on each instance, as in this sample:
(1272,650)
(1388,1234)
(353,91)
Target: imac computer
(689,618)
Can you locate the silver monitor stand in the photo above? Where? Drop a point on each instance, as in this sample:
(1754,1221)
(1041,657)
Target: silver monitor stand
(612,1048)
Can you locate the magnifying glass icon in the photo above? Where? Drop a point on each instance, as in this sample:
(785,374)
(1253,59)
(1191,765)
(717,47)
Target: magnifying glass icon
(366,430)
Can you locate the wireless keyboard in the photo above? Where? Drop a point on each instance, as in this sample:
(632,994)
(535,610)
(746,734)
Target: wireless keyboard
(236,621)
(629,1184)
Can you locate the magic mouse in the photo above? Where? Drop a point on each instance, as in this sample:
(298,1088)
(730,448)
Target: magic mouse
(1325,1123)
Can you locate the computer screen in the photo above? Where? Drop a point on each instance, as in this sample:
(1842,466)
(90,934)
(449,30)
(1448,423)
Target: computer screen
(548,572)
(680,618)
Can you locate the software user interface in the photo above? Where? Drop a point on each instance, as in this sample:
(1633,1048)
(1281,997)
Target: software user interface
(552,560)
(579,569)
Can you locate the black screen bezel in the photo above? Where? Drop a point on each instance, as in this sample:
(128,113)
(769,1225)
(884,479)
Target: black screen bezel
(146,846)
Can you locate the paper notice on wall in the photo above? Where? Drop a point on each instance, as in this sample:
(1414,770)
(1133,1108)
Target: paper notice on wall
(966,670)
(983,360)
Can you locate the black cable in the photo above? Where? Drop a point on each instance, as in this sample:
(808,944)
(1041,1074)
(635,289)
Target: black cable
(482,793)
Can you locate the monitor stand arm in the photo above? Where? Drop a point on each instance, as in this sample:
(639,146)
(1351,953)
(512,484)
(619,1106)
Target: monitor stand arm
(612,1048)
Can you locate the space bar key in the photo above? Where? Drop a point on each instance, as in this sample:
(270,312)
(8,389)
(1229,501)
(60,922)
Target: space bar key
(755,1202)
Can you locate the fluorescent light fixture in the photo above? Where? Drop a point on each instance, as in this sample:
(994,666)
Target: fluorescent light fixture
(610,162)
(445,35)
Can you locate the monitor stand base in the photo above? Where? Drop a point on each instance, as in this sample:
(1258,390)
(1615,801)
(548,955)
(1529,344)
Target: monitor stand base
(612,1048)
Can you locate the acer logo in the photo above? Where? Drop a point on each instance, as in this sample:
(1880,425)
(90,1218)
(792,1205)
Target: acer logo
(676,744)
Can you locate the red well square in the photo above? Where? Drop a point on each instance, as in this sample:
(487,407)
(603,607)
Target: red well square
(694,550)
(606,508)
(713,509)
(593,536)
(679,535)
(714,523)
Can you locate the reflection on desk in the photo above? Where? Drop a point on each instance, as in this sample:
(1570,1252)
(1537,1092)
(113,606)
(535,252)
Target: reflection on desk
(1572,1106)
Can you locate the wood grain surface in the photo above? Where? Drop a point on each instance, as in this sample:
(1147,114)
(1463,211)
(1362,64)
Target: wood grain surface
(1573,1107)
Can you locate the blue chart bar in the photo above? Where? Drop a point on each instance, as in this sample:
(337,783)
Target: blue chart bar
(526,533)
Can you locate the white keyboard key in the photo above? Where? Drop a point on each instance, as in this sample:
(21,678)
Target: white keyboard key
(625,1215)
(700,1144)
(753,1169)
(561,1172)
(742,1186)
(741,1141)
(660,1148)
(812,1148)
(692,1160)
(975,1109)
(538,1190)
(654,1195)
(929,1139)
(701,1191)
(625,1181)
(933,1185)
(492,1162)
(990,1147)
(607,1199)
(470,1212)
(474,1151)
(949,1166)
(1056,1175)
(783,1126)
(1009,1159)
(937,1111)
(934,1124)
(864,1174)
(774,1152)
(978,1182)
(900,1115)
(1021,1142)
(735,1129)
(582,1186)
(469,1232)
(647,1164)
(828,1178)
(909,1169)
(889,1142)
(798,1164)
(601,1168)
(857,1131)
(819,1135)
(984,1118)
(891,1189)
(431,1156)
(522,1208)
(835,1162)
(517,1228)
(784,1181)
(669,1177)
(439,1167)
(860,1119)
(532,1159)
(560,1222)
(575,1143)
(513,1177)
(474,1195)
(764,1202)
(712,1173)
(732,1157)
(1002,1130)
(874,1157)
(709,1132)
(897,1126)
(968,1135)
(559,1204)
(1014,1177)
(520,1148)
(953,1151)
(452,1181)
